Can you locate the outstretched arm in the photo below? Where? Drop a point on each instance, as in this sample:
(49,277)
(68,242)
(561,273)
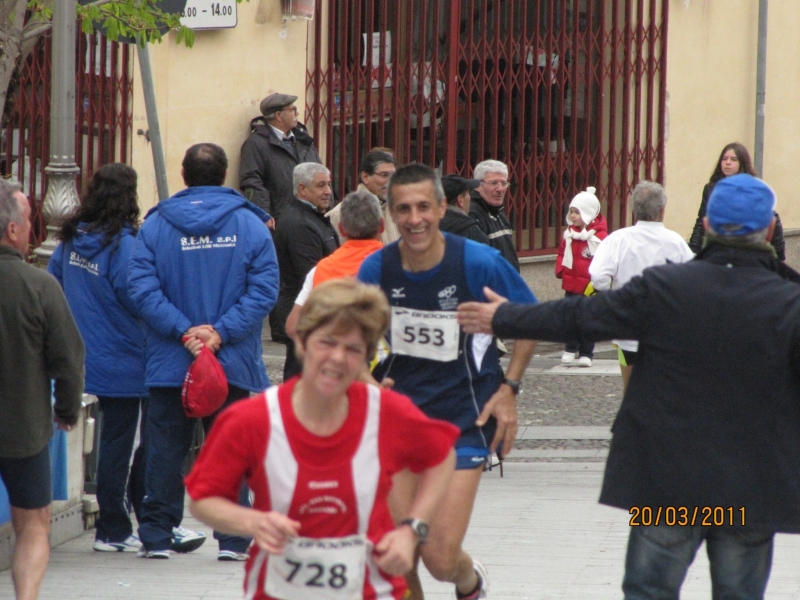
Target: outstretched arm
(476,317)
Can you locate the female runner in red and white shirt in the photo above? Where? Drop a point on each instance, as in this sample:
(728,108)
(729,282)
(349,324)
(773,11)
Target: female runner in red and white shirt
(318,454)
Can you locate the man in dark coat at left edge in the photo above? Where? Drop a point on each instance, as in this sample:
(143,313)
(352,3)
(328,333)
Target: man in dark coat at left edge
(706,444)
(40,346)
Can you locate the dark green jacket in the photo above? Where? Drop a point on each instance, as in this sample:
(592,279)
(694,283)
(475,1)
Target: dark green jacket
(39,341)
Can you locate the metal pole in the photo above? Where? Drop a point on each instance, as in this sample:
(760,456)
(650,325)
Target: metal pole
(761,87)
(62,194)
(154,130)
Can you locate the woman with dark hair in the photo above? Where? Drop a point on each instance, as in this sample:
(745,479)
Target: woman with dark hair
(733,159)
(91,263)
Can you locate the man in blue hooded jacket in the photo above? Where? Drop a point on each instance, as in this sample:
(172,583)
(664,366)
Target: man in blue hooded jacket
(203,268)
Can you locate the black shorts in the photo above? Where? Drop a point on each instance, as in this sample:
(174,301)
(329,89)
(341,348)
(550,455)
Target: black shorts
(28,480)
(626,357)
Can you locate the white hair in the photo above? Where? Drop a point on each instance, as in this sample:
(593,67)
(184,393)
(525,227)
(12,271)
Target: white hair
(482,169)
(10,210)
(304,174)
(648,200)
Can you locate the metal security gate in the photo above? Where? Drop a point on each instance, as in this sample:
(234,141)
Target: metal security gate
(568,93)
(103,104)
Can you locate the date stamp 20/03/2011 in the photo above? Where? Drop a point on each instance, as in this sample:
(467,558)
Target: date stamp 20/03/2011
(682,516)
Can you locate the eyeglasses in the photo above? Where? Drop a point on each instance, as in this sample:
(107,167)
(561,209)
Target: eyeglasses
(383,174)
(290,109)
(499,183)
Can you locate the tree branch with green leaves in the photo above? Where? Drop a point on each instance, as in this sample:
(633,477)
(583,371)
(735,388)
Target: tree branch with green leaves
(142,20)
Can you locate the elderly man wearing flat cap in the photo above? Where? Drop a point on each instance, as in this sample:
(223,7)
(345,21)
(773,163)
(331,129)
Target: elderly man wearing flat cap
(706,444)
(276,145)
(456,218)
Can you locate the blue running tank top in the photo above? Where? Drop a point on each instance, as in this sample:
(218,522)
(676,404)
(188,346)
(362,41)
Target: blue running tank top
(448,374)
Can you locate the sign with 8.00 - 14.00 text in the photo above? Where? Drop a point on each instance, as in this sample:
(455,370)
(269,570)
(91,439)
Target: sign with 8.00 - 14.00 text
(209,14)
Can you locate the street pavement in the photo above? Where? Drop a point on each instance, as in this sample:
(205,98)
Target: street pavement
(538,529)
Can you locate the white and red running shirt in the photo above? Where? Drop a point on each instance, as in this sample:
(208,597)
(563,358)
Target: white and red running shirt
(335,486)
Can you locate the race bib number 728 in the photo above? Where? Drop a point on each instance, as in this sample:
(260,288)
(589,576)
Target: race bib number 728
(324,569)
(431,334)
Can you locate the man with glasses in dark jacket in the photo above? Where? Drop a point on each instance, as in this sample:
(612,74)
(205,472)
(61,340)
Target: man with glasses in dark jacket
(487,207)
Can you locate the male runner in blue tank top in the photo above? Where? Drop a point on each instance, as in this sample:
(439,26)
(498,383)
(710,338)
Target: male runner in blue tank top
(450,375)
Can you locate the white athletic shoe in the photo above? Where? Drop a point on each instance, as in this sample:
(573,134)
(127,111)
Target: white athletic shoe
(160,554)
(584,361)
(483,577)
(185,540)
(131,544)
(567,358)
(230,555)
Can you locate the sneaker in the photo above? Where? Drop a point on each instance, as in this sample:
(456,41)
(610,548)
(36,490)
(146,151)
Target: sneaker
(231,555)
(483,583)
(185,540)
(131,544)
(584,361)
(152,553)
(567,358)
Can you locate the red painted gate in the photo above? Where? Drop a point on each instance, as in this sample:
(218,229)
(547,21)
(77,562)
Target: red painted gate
(568,93)
(103,104)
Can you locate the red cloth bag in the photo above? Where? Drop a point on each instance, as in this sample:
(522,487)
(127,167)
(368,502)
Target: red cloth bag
(205,386)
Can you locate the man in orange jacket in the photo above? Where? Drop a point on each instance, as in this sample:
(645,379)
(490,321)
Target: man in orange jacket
(361,224)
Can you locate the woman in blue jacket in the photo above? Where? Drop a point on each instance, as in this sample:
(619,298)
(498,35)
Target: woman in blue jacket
(91,264)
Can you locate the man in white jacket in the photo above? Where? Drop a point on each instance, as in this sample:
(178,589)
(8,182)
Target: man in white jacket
(627,252)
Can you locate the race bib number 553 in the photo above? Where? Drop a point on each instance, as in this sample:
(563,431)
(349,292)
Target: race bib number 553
(429,334)
(323,568)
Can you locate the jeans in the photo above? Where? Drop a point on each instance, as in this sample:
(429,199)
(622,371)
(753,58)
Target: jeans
(117,485)
(169,437)
(659,556)
(582,347)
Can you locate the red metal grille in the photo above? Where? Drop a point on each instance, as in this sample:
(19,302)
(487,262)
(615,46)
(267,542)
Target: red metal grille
(568,93)
(103,102)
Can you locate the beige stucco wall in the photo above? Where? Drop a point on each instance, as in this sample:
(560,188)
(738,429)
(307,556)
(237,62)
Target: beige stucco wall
(711,83)
(210,92)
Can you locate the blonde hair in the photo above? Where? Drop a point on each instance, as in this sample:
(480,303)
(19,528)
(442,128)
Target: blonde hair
(348,304)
